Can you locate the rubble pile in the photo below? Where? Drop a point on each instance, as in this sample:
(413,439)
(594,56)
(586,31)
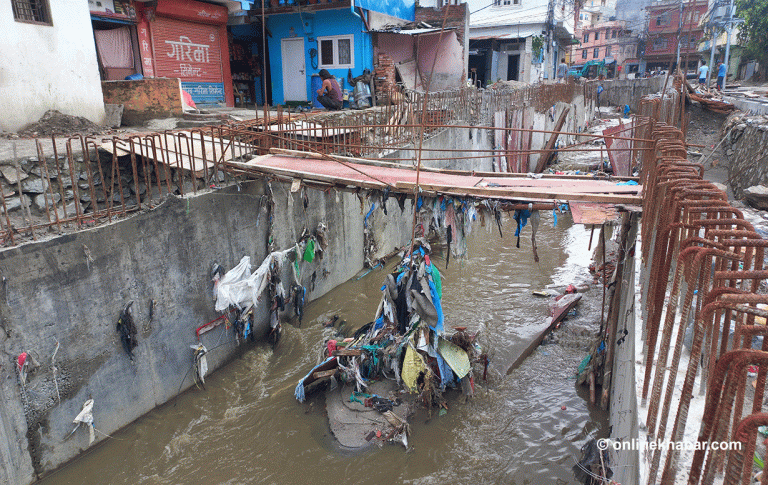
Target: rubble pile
(55,123)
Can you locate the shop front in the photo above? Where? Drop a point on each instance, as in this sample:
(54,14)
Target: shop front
(114,30)
(188,41)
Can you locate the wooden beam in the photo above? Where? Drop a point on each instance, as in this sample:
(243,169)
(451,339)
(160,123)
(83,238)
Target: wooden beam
(323,373)
(379,163)
(536,194)
(302,175)
(347,352)
(547,155)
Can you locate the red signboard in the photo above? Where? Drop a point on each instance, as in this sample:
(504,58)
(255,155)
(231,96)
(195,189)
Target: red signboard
(188,51)
(193,11)
(145,48)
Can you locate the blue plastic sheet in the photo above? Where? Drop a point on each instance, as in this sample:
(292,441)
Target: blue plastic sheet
(522,217)
(446,373)
(299,392)
(436,301)
(365,222)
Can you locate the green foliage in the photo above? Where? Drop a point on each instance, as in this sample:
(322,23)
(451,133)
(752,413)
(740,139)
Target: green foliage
(537,44)
(753,33)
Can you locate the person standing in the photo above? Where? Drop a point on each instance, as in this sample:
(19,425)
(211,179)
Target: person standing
(562,70)
(721,71)
(703,74)
(329,94)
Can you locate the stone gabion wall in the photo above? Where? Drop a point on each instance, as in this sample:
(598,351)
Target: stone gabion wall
(38,190)
(746,149)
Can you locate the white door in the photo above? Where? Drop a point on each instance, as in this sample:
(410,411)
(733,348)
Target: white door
(294,77)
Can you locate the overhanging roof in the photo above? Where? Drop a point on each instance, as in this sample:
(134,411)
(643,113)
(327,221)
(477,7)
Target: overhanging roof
(397,30)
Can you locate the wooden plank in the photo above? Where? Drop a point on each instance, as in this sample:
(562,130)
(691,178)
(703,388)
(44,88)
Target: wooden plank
(307,176)
(547,155)
(558,314)
(537,194)
(190,147)
(596,214)
(347,352)
(322,374)
(378,163)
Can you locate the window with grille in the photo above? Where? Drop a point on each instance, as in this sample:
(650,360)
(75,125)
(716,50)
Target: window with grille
(336,52)
(34,11)
(584,54)
(586,37)
(596,54)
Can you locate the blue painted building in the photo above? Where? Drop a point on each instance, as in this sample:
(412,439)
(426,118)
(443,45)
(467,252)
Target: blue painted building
(334,36)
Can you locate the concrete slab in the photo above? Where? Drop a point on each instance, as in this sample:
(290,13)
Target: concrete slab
(351,422)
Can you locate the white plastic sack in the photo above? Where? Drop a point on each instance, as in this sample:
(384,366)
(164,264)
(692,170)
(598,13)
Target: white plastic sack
(241,288)
(231,288)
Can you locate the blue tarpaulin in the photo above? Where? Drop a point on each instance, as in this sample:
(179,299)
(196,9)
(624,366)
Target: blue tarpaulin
(402,9)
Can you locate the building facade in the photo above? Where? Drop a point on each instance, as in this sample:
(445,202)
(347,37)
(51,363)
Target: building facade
(610,42)
(518,40)
(331,35)
(49,62)
(674,30)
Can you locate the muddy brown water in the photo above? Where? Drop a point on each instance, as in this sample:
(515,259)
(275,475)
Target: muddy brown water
(246,426)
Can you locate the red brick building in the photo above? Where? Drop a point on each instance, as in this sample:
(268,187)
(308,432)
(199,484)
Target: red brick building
(608,41)
(665,32)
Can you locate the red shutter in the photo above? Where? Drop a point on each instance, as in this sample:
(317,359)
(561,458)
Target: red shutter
(187,50)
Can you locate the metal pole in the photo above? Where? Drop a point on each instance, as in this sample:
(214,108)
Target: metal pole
(679,32)
(713,47)
(264,61)
(728,41)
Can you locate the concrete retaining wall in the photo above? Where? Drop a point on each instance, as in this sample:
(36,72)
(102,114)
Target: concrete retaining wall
(54,293)
(623,413)
(477,142)
(619,92)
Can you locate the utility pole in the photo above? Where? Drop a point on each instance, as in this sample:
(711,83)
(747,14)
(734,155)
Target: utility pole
(728,40)
(712,26)
(679,33)
(550,39)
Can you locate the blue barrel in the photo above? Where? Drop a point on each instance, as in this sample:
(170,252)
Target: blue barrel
(316,84)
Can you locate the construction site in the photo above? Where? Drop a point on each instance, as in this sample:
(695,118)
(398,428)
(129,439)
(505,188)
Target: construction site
(563,285)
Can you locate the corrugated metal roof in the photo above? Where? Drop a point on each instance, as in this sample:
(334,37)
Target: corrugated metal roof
(397,30)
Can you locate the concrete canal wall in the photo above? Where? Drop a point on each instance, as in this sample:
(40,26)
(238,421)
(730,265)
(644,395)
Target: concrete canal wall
(69,291)
(61,297)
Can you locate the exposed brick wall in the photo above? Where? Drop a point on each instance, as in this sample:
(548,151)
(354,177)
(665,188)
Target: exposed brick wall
(144,99)
(454,18)
(384,74)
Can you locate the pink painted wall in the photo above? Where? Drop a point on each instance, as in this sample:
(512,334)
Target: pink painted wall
(449,67)
(399,47)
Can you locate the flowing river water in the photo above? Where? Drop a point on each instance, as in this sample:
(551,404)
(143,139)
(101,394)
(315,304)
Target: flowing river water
(523,428)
